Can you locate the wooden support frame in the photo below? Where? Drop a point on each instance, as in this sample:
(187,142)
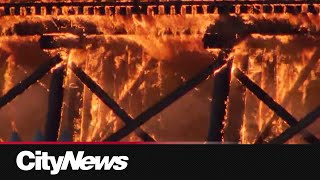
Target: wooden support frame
(302,124)
(300,80)
(26,83)
(98,91)
(165,102)
(277,108)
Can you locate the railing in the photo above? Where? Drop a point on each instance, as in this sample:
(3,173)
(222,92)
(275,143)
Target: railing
(159,7)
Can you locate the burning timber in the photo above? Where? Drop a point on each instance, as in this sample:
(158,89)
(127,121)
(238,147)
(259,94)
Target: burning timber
(221,88)
(56,92)
(157,7)
(132,70)
(108,100)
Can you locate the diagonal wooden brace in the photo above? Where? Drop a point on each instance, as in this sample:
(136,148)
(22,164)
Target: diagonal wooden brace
(302,124)
(277,108)
(165,102)
(105,98)
(26,83)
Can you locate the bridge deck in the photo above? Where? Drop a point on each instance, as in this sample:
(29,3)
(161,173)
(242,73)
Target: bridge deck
(159,7)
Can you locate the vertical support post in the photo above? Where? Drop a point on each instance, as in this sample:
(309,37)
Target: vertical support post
(3,56)
(269,85)
(86,108)
(221,86)
(52,125)
(236,106)
(252,103)
(73,95)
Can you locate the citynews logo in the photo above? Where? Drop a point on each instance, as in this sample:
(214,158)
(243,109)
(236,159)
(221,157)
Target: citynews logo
(42,161)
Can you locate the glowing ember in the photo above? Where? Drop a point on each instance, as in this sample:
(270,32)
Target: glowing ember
(138,59)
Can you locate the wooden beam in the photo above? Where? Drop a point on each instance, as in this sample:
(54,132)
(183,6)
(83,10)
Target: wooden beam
(221,87)
(300,80)
(3,65)
(278,109)
(98,91)
(293,130)
(26,83)
(236,106)
(165,102)
(55,102)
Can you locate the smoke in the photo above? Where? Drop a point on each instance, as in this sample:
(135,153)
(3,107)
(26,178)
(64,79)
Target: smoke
(28,110)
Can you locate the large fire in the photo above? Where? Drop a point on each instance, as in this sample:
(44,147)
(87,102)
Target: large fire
(138,59)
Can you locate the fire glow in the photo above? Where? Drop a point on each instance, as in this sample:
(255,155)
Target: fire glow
(139,59)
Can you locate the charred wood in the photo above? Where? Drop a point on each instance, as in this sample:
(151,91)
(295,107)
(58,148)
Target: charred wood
(26,83)
(3,56)
(300,80)
(165,102)
(264,97)
(291,131)
(221,87)
(97,90)
(52,125)
(236,107)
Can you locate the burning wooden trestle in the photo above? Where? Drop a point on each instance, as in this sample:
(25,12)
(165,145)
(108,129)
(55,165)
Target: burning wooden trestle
(149,7)
(133,124)
(220,69)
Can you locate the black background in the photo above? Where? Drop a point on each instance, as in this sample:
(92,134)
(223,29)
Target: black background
(206,161)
